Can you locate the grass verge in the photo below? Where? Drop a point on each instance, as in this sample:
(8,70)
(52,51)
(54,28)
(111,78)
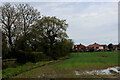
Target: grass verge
(77,61)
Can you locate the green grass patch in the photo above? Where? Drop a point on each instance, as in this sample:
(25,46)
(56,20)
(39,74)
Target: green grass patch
(10,72)
(90,60)
(77,61)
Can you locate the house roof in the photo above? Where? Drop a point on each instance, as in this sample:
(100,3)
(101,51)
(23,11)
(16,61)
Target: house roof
(94,45)
(115,45)
(80,45)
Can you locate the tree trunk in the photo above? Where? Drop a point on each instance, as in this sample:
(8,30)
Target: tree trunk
(9,36)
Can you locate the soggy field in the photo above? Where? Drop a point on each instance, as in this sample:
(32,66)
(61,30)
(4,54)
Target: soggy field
(76,62)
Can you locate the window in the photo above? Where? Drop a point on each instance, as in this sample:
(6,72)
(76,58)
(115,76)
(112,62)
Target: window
(101,47)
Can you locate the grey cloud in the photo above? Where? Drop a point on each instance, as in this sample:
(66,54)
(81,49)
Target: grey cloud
(88,22)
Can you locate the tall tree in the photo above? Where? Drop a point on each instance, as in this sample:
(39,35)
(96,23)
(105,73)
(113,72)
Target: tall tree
(17,20)
(28,17)
(50,30)
(8,18)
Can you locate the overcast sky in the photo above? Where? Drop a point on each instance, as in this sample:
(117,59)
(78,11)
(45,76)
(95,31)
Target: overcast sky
(88,22)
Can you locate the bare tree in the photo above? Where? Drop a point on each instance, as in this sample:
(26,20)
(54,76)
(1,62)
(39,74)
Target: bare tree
(8,18)
(17,19)
(28,17)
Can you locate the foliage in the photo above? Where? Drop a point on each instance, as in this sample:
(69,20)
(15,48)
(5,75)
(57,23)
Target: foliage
(25,31)
(62,48)
(28,16)
(110,46)
(23,57)
(28,49)
(8,63)
(39,56)
(16,23)
(50,33)
(8,19)
(39,48)
(21,43)
(5,48)
(92,49)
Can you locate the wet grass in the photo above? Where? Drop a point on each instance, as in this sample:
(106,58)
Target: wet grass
(77,61)
(13,71)
(90,60)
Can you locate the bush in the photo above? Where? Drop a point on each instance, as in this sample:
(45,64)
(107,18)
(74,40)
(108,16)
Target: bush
(20,56)
(39,49)
(28,49)
(39,56)
(23,57)
(8,63)
(91,50)
(62,49)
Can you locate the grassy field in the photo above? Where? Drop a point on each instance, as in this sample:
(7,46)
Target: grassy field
(77,61)
(90,60)
(13,71)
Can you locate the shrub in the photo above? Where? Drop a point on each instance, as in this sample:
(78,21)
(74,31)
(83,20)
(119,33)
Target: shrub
(91,50)
(20,56)
(28,49)
(8,63)
(62,49)
(23,57)
(39,49)
(39,56)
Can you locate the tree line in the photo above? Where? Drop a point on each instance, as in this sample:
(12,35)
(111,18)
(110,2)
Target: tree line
(26,32)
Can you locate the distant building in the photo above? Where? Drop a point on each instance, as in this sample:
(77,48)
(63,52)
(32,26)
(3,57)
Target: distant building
(95,47)
(79,48)
(105,48)
(115,47)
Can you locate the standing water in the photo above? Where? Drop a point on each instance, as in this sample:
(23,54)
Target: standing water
(108,71)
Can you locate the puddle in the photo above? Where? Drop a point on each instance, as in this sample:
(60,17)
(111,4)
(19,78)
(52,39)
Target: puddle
(108,71)
(77,72)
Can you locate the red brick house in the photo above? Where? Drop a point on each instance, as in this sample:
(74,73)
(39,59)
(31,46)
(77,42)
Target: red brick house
(79,48)
(105,48)
(115,47)
(97,47)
